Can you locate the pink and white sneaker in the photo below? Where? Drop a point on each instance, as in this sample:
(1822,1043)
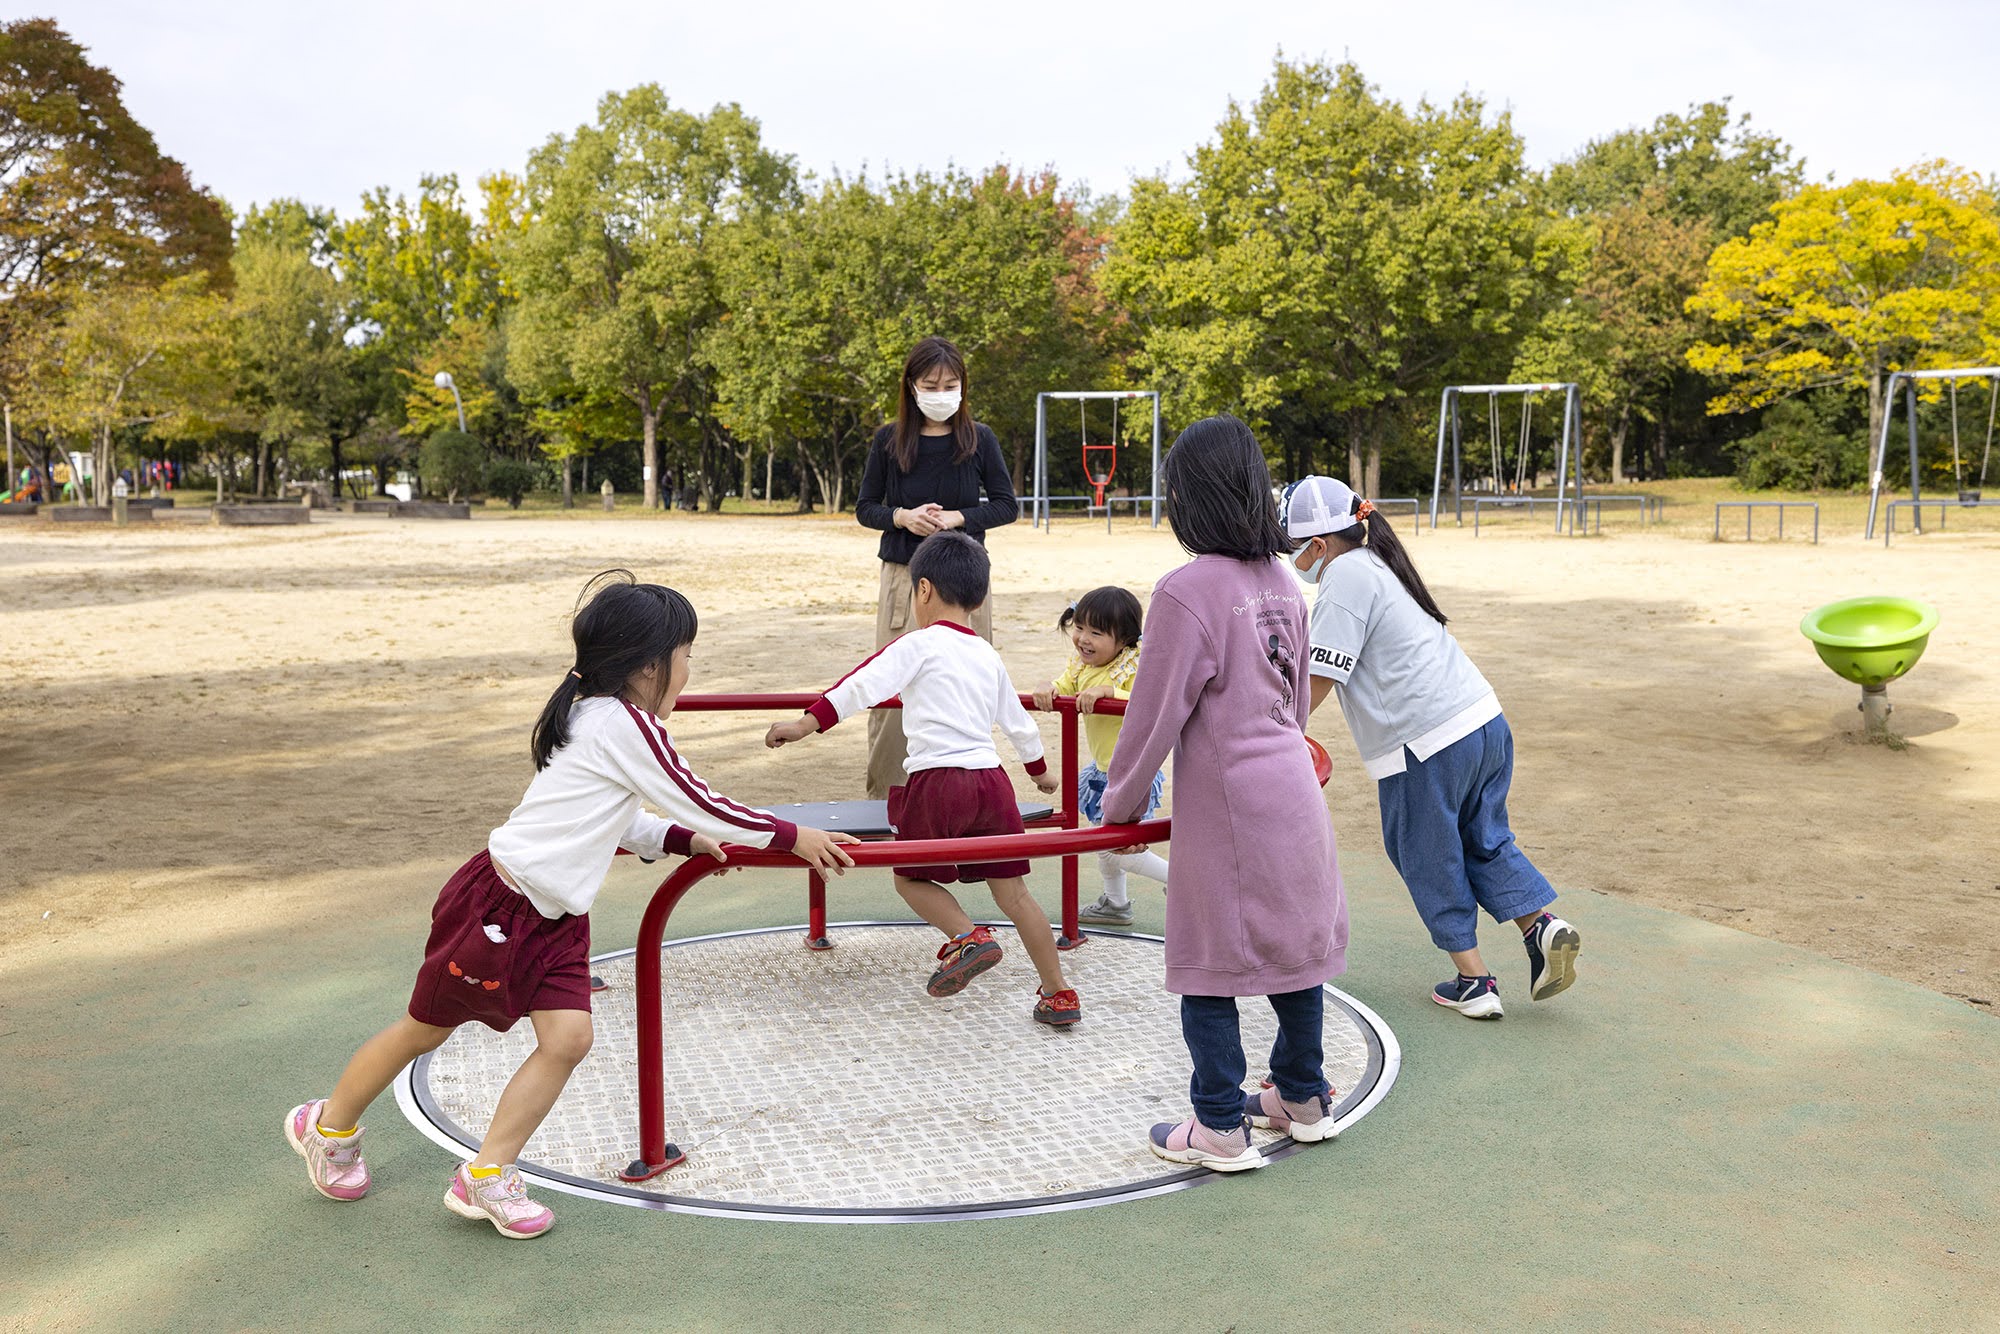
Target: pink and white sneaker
(1193,1143)
(502,1201)
(1306,1122)
(333,1166)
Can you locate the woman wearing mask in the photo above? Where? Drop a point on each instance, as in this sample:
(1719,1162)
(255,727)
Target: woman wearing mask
(925,473)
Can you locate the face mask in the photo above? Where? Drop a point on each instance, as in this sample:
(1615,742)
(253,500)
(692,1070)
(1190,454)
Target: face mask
(1312,573)
(939,407)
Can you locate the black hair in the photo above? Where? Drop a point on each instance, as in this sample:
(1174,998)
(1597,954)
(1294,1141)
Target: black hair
(957,567)
(620,628)
(1375,534)
(1219,499)
(1109,610)
(928,355)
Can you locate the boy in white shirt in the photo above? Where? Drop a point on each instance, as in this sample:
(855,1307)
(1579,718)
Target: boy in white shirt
(955,690)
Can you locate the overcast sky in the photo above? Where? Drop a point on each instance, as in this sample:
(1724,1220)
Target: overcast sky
(323,101)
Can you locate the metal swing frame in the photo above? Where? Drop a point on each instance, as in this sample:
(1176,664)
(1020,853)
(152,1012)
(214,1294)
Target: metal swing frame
(1907,382)
(1039,499)
(1569,448)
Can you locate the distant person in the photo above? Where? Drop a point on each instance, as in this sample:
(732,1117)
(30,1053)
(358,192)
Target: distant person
(510,934)
(926,472)
(955,692)
(1431,734)
(1104,628)
(1254,901)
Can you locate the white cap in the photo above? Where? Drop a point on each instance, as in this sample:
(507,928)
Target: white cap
(1316,506)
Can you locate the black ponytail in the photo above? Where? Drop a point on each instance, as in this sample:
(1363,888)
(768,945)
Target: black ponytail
(1381,539)
(620,627)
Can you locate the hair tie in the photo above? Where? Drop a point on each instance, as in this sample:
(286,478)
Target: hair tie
(1364,509)
(574,672)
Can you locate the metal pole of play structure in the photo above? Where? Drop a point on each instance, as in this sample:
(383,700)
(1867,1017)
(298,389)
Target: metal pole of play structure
(1041,451)
(1156,459)
(7,482)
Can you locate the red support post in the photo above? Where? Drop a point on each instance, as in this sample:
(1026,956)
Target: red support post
(655,1154)
(816,937)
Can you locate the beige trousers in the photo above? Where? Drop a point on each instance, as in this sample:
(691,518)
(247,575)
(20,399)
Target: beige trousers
(886,747)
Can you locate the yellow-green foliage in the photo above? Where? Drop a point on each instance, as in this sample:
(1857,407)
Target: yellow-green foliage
(1844,283)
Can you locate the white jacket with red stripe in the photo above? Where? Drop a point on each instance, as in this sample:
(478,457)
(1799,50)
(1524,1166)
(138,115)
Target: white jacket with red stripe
(558,844)
(955,692)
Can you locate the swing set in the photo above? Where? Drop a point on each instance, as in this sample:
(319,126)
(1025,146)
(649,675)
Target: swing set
(1968,496)
(1505,480)
(1100,459)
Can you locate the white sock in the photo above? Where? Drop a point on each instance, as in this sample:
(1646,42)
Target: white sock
(1114,879)
(1149,864)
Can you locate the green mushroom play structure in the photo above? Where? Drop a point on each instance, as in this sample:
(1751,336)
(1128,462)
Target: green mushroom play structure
(1871,641)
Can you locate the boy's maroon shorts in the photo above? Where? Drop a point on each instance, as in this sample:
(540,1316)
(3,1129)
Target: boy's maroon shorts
(957,803)
(536,964)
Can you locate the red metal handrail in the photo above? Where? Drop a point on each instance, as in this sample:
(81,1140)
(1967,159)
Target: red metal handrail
(654,1157)
(1065,817)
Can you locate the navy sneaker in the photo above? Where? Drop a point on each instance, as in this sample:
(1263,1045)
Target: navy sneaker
(1552,949)
(1473,997)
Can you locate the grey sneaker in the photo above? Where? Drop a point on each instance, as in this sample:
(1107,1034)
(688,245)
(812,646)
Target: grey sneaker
(1106,913)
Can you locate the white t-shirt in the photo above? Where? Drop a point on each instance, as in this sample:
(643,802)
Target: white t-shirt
(558,843)
(955,690)
(1402,679)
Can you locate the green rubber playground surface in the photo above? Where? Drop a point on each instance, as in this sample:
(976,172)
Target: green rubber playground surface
(1709,1130)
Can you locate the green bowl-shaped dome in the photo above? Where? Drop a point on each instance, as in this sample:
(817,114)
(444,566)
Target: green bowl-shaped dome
(1871,641)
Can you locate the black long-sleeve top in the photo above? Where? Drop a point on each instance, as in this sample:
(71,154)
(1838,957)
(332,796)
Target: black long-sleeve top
(934,478)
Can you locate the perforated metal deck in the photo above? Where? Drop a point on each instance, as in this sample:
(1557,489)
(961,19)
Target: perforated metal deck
(829,1087)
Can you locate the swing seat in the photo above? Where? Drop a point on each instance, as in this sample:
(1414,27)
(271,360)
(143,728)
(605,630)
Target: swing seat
(1968,496)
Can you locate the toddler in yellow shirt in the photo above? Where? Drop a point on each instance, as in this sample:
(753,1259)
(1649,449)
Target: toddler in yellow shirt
(1103,627)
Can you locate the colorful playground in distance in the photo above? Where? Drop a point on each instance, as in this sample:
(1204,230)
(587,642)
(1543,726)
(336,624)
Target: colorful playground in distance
(240,762)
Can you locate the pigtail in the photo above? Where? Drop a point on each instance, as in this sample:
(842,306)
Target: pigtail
(1382,540)
(552,728)
(620,626)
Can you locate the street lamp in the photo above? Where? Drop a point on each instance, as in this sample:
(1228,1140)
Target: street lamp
(443,380)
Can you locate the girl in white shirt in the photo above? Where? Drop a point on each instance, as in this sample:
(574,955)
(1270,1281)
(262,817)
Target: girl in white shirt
(1431,734)
(510,933)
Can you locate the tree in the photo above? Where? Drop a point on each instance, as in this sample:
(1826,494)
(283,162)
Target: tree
(1647,206)
(1333,255)
(1845,284)
(452,462)
(1706,166)
(127,355)
(290,317)
(88,195)
(615,265)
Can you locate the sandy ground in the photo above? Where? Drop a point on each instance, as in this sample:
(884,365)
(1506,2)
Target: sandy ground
(204,728)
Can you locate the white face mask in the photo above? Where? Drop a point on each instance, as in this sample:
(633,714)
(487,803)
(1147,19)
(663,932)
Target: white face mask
(1311,574)
(939,407)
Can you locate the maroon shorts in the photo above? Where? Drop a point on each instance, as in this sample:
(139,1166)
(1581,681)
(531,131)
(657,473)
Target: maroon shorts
(536,964)
(957,803)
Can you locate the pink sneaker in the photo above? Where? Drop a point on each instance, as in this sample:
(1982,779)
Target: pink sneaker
(502,1201)
(1306,1122)
(1193,1143)
(333,1166)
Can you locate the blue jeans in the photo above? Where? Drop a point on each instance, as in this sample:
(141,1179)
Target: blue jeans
(1208,1023)
(1090,785)
(1444,824)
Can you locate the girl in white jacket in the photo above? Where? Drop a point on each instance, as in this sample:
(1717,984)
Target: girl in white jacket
(510,933)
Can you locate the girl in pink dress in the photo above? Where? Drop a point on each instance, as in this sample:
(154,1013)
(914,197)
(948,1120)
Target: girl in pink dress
(1254,903)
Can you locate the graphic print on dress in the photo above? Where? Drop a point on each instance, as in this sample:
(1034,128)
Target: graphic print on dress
(1280,657)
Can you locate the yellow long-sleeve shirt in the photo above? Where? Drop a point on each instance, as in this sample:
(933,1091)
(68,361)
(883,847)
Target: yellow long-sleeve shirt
(1100,730)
